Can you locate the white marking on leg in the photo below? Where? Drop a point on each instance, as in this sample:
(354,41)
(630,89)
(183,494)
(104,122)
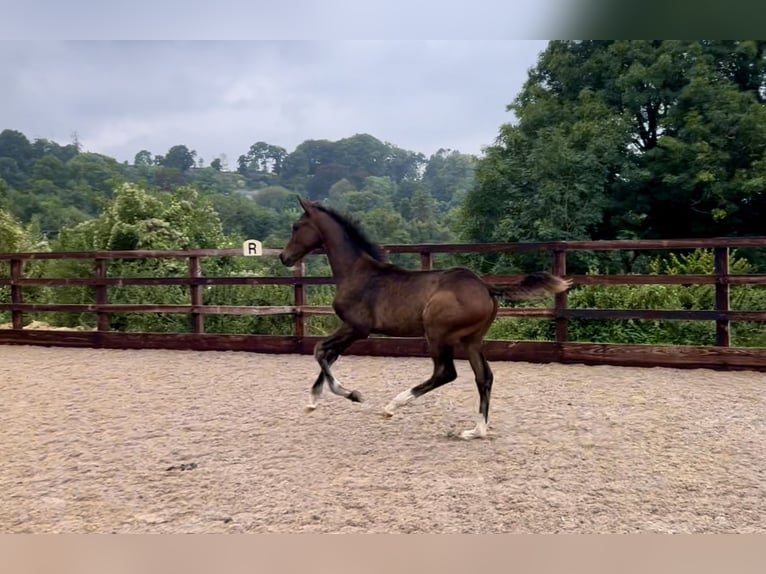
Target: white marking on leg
(335,386)
(399,400)
(314,401)
(479,431)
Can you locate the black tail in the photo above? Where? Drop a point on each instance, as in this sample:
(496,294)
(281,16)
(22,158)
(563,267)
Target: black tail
(533,286)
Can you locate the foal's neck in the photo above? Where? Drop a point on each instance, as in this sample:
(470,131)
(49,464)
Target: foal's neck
(341,252)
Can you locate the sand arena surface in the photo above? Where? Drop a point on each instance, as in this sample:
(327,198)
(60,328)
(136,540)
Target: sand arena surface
(179,441)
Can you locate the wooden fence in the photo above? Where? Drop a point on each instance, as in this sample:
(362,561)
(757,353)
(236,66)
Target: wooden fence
(721,355)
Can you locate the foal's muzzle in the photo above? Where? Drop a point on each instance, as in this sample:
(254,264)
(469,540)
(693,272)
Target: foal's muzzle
(287,261)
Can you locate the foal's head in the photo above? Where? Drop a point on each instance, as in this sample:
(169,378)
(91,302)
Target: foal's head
(320,224)
(305,237)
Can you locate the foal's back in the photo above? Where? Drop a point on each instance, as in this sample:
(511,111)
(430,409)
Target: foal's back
(406,303)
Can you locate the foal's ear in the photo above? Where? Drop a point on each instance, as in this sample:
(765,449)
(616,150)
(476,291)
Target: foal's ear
(305,204)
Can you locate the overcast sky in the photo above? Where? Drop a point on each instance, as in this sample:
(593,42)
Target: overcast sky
(220,97)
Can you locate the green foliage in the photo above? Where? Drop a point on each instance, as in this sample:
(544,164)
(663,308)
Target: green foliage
(247,295)
(243,218)
(11,233)
(214,181)
(698,297)
(262,164)
(60,188)
(17,238)
(678,297)
(620,139)
(275,197)
(449,176)
(143,159)
(139,219)
(383,225)
(179,157)
(16,156)
(5,192)
(364,162)
(629,139)
(96,172)
(511,329)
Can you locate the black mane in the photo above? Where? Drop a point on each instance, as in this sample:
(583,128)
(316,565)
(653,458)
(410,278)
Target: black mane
(355,235)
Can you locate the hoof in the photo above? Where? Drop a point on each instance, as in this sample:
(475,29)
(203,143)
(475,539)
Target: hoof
(473,433)
(311,407)
(355,397)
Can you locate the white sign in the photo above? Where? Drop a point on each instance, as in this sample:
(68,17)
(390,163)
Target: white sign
(252,247)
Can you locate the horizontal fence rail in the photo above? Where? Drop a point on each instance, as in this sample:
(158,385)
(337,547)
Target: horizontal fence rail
(720,355)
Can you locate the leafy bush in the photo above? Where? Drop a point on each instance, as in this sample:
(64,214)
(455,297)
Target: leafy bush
(656,332)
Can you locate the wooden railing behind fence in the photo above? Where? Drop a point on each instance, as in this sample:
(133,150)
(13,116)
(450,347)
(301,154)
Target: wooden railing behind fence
(720,355)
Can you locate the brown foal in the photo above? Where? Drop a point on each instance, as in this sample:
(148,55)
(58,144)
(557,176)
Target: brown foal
(448,307)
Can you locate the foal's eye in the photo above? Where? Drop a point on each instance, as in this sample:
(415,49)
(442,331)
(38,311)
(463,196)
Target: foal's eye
(295,227)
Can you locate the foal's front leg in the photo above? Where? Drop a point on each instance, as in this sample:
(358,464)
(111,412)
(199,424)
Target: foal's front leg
(326,353)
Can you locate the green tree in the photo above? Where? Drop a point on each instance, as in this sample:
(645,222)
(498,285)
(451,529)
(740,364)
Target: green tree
(262,158)
(169,178)
(384,225)
(139,219)
(210,180)
(380,186)
(15,237)
(363,155)
(376,193)
(628,139)
(97,172)
(338,190)
(241,217)
(323,178)
(179,157)
(295,169)
(422,206)
(449,175)
(42,147)
(404,165)
(16,156)
(11,233)
(316,165)
(143,159)
(52,169)
(275,197)
(5,194)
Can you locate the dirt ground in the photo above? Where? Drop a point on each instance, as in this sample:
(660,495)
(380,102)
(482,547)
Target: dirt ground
(168,442)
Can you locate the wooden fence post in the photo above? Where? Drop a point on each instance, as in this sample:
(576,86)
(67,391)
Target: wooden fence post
(561,301)
(299,294)
(17,297)
(102,298)
(426,261)
(722,326)
(198,319)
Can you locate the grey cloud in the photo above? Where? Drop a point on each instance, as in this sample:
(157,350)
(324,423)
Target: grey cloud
(220,97)
(284,20)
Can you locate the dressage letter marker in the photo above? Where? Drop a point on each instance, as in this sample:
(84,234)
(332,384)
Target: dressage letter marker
(252,247)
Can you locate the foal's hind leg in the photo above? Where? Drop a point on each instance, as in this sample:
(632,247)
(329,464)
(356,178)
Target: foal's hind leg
(444,372)
(484,378)
(326,353)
